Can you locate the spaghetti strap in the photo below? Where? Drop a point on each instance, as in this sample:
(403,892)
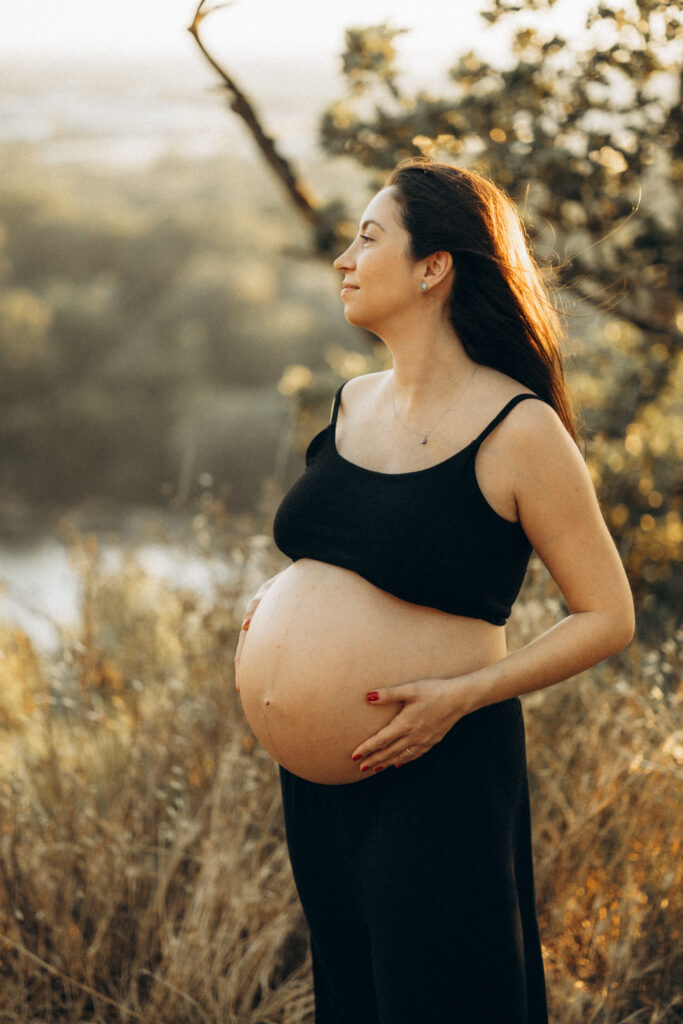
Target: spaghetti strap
(501,416)
(335,407)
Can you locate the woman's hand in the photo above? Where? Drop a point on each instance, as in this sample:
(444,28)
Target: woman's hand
(246,621)
(426,710)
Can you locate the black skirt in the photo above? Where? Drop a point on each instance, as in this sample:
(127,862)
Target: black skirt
(417,884)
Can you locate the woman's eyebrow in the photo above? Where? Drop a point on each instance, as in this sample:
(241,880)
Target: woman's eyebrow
(366,222)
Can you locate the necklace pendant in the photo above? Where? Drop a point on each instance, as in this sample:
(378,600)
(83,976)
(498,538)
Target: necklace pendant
(423,440)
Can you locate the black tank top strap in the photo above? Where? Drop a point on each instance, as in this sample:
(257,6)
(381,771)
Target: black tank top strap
(501,416)
(469,562)
(335,407)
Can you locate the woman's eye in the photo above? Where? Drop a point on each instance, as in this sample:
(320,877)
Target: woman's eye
(366,238)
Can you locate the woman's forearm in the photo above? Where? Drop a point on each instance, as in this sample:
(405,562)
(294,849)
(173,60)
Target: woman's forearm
(574,644)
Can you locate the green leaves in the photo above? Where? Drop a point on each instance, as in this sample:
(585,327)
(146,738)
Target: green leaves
(369,58)
(585,134)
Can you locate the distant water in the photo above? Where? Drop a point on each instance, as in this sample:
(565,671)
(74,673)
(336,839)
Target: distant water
(133,115)
(41,593)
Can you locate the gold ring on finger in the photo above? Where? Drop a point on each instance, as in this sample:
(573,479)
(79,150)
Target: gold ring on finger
(410,752)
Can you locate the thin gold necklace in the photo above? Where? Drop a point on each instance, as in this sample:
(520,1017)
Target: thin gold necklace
(423,438)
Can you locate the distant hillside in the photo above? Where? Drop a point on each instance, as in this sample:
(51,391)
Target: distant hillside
(128,115)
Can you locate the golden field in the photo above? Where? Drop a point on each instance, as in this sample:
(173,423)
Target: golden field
(143,872)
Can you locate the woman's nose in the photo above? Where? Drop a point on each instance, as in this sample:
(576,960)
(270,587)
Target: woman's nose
(343,261)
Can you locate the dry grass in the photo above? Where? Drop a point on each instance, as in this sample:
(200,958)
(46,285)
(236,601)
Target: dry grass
(143,874)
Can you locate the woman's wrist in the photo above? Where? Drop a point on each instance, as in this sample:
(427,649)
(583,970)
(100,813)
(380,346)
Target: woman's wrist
(470,691)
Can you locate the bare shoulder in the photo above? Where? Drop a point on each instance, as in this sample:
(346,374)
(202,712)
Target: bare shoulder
(364,383)
(359,390)
(528,457)
(537,421)
(559,511)
(542,466)
(532,430)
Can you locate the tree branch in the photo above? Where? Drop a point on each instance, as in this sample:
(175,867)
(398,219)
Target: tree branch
(301,196)
(573,280)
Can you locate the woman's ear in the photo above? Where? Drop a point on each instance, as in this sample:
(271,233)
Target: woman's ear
(438,266)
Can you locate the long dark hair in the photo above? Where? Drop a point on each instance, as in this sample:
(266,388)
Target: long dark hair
(499,306)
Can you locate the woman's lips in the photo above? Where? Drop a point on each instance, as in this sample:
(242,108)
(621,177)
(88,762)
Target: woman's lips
(349,288)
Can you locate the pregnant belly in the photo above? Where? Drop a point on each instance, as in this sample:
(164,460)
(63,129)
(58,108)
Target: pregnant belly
(319,640)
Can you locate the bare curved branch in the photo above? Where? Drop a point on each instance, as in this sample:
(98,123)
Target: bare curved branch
(611,298)
(302,197)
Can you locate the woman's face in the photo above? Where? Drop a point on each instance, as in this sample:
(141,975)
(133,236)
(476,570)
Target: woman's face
(380,276)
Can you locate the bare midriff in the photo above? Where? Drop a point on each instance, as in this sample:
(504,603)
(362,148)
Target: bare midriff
(320,639)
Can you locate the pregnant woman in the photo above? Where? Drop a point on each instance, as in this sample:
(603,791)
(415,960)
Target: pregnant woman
(374,668)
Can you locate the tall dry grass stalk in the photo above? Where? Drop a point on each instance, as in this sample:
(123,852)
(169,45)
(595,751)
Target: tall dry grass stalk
(143,873)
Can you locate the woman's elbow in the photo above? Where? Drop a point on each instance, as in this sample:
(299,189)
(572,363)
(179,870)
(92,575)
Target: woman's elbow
(624,638)
(621,625)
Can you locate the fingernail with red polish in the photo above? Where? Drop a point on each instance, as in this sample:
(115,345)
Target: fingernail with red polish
(379,768)
(373,695)
(356,757)
(365,768)
(245,624)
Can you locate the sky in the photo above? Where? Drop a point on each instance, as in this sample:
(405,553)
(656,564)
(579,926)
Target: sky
(311,30)
(56,56)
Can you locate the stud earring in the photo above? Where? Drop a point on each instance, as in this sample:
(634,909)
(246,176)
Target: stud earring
(423,286)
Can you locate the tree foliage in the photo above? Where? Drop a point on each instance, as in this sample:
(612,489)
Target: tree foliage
(581,134)
(133,356)
(585,134)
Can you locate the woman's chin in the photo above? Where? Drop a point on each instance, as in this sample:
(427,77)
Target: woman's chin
(357,319)
(350,318)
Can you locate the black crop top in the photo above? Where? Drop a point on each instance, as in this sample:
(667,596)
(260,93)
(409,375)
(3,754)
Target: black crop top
(428,536)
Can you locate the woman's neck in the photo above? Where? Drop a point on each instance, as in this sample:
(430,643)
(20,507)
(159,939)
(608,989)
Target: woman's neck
(428,367)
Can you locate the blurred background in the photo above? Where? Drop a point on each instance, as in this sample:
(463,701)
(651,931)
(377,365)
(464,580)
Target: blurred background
(171,334)
(158,279)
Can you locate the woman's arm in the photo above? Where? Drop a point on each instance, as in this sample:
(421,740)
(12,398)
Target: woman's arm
(559,511)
